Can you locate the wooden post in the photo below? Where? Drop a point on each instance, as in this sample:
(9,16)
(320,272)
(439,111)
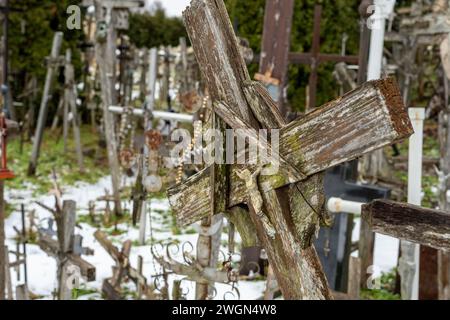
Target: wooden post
(148,116)
(22,292)
(354,271)
(105,56)
(66,99)
(107,18)
(70,101)
(164,92)
(409,222)
(51,69)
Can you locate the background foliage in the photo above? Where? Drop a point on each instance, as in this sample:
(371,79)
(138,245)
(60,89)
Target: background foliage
(154,28)
(31,33)
(338,17)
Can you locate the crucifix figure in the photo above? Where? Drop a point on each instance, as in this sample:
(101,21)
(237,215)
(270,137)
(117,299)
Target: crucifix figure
(370,117)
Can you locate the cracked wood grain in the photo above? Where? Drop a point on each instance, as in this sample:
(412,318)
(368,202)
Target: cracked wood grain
(409,222)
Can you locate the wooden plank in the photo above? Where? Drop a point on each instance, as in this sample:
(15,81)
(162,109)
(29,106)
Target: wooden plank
(408,222)
(87,270)
(56,47)
(369,117)
(225,68)
(354,275)
(208,246)
(112,250)
(365,119)
(66,225)
(190,199)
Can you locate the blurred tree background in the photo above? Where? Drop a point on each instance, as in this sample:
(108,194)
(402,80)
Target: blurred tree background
(338,17)
(32,26)
(32,30)
(154,28)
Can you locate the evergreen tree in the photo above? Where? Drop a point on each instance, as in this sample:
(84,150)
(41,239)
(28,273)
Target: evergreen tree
(154,28)
(338,17)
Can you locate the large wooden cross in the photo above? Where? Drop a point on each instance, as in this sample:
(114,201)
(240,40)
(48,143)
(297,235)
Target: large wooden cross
(365,119)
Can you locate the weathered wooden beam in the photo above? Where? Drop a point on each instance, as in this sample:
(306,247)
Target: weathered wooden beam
(87,270)
(409,222)
(367,118)
(105,56)
(112,250)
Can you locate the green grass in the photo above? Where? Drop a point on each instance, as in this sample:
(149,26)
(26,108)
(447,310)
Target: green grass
(82,291)
(52,155)
(386,291)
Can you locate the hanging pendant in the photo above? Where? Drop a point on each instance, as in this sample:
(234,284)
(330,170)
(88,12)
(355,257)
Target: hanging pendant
(153,139)
(191,101)
(153,183)
(127,158)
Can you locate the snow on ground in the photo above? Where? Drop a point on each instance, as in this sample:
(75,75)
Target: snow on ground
(42,268)
(386,250)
